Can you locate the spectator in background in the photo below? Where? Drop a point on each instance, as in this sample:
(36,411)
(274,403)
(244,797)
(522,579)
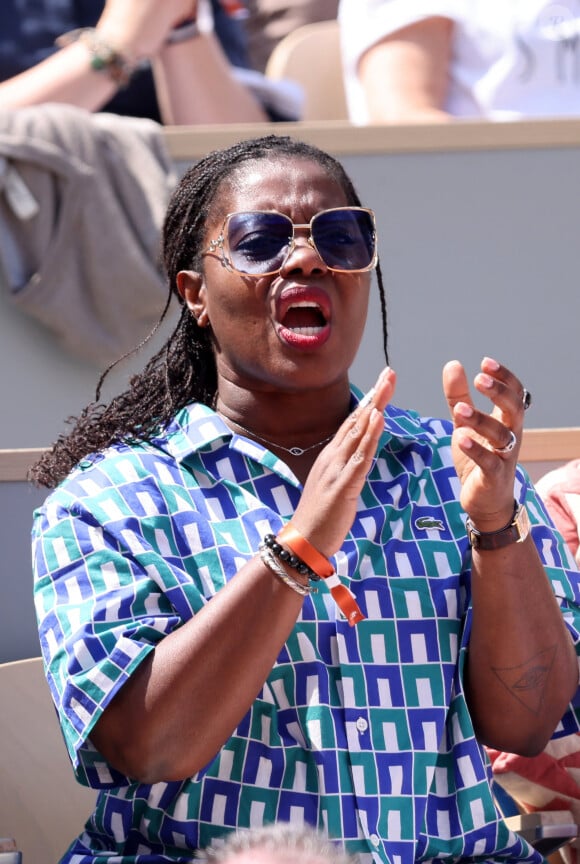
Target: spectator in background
(550,781)
(268,21)
(82,157)
(418,61)
(279,843)
(130,46)
(560,491)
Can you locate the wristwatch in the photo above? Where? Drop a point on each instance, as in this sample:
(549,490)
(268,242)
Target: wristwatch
(183,32)
(515,531)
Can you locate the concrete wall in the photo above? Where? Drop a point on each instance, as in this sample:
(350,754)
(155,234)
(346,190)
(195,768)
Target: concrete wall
(18,630)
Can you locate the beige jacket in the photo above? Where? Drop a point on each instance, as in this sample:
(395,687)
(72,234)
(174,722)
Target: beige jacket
(82,200)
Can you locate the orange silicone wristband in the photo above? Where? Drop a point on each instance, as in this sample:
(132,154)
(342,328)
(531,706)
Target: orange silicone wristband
(304,550)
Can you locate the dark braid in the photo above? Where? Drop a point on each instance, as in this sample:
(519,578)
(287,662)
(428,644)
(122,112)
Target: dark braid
(184,370)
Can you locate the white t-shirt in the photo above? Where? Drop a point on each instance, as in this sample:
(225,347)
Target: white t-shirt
(510,58)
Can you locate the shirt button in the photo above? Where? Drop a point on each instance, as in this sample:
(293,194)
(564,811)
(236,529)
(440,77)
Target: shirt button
(361,724)
(375,840)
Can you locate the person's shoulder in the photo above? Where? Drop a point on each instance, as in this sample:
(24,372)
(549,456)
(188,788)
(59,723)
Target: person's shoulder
(117,465)
(394,14)
(155,462)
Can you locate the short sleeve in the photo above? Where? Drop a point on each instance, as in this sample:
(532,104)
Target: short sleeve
(365,22)
(107,590)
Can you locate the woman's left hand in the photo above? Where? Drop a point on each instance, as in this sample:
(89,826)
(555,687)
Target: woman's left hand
(486,473)
(521,668)
(139,28)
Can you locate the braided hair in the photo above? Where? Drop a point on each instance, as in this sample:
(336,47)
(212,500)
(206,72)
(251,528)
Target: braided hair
(184,369)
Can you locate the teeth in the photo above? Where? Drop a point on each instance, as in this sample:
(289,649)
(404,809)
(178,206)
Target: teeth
(307,330)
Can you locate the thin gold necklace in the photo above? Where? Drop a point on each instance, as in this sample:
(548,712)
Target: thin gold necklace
(294,451)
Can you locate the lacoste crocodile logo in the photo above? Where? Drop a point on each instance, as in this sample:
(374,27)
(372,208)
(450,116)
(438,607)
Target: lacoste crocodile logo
(424,523)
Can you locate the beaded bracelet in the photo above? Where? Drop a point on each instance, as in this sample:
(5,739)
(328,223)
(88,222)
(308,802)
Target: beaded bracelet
(305,551)
(272,564)
(104,57)
(289,558)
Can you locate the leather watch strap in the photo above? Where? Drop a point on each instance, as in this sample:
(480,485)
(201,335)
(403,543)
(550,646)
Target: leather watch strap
(515,531)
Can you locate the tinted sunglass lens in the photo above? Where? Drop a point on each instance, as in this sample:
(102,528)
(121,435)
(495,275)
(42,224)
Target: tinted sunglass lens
(345,238)
(258,242)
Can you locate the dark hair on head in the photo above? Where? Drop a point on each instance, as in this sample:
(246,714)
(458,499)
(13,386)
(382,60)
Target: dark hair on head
(183,370)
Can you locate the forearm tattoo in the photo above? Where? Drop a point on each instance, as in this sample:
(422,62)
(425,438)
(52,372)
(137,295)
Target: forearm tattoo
(527,682)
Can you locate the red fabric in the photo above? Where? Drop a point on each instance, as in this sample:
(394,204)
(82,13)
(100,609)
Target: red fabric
(550,781)
(560,491)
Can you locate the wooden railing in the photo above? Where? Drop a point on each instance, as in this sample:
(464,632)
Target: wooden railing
(185,144)
(14,464)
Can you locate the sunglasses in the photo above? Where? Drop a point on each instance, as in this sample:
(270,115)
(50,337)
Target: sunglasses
(258,242)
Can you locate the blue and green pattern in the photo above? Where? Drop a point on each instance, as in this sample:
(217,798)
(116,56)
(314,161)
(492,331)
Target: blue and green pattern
(363,731)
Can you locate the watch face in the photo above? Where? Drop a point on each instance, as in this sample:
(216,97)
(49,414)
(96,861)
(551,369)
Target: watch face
(522,520)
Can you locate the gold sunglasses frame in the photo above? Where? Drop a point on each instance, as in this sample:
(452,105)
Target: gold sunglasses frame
(220,243)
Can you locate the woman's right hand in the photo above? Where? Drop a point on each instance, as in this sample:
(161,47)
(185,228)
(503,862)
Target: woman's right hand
(328,504)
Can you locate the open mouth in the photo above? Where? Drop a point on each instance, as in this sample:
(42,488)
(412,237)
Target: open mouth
(304,317)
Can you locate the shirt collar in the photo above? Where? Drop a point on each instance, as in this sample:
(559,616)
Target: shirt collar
(197,427)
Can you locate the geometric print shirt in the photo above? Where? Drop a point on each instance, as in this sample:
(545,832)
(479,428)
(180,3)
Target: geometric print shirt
(363,731)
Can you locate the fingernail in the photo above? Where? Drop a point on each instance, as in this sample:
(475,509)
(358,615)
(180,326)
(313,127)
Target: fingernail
(489,361)
(485,380)
(464,409)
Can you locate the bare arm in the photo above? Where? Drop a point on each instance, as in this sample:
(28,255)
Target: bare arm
(522,668)
(185,700)
(180,706)
(136,29)
(405,76)
(63,77)
(195,84)
(193,77)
